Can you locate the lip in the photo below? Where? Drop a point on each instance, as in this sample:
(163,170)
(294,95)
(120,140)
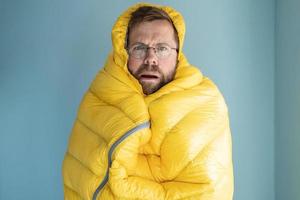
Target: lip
(148,77)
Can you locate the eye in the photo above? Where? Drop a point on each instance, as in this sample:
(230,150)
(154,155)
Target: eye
(139,48)
(162,48)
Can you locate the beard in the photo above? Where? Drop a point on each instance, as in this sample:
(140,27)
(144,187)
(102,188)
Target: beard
(162,79)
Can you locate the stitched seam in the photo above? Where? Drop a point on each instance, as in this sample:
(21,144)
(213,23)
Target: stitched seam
(188,195)
(92,131)
(112,106)
(116,78)
(81,163)
(73,191)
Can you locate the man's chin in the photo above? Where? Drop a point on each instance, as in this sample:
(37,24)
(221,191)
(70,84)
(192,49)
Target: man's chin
(149,88)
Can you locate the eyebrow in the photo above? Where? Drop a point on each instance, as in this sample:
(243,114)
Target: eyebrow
(140,43)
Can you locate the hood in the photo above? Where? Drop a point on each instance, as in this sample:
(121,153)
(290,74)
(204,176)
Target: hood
(115,78)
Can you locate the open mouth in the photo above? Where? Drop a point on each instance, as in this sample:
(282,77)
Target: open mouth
(148,76)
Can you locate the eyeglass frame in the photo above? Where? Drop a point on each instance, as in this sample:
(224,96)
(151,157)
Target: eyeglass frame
(129,50)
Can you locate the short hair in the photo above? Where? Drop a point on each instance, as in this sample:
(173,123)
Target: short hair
(147,14)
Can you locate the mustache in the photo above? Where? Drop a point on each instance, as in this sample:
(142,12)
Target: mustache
(148,68)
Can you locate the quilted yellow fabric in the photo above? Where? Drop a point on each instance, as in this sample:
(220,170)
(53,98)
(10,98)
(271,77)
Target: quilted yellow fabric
(174,144)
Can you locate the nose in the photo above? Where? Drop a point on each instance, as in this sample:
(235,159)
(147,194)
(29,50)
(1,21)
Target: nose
(151,58)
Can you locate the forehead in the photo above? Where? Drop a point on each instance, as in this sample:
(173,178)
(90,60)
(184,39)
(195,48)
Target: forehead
(157,31)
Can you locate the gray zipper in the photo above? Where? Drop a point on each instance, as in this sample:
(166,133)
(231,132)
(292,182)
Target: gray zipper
(111,150)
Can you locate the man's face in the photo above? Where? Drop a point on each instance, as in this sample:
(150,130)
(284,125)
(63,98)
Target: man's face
(151,71)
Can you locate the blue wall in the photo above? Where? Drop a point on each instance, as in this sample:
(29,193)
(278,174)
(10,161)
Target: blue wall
(51,50)
(287,100)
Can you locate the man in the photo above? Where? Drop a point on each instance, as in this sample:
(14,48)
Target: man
(151,126)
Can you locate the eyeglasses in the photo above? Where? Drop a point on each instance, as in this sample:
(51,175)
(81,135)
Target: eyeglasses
(140,50)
